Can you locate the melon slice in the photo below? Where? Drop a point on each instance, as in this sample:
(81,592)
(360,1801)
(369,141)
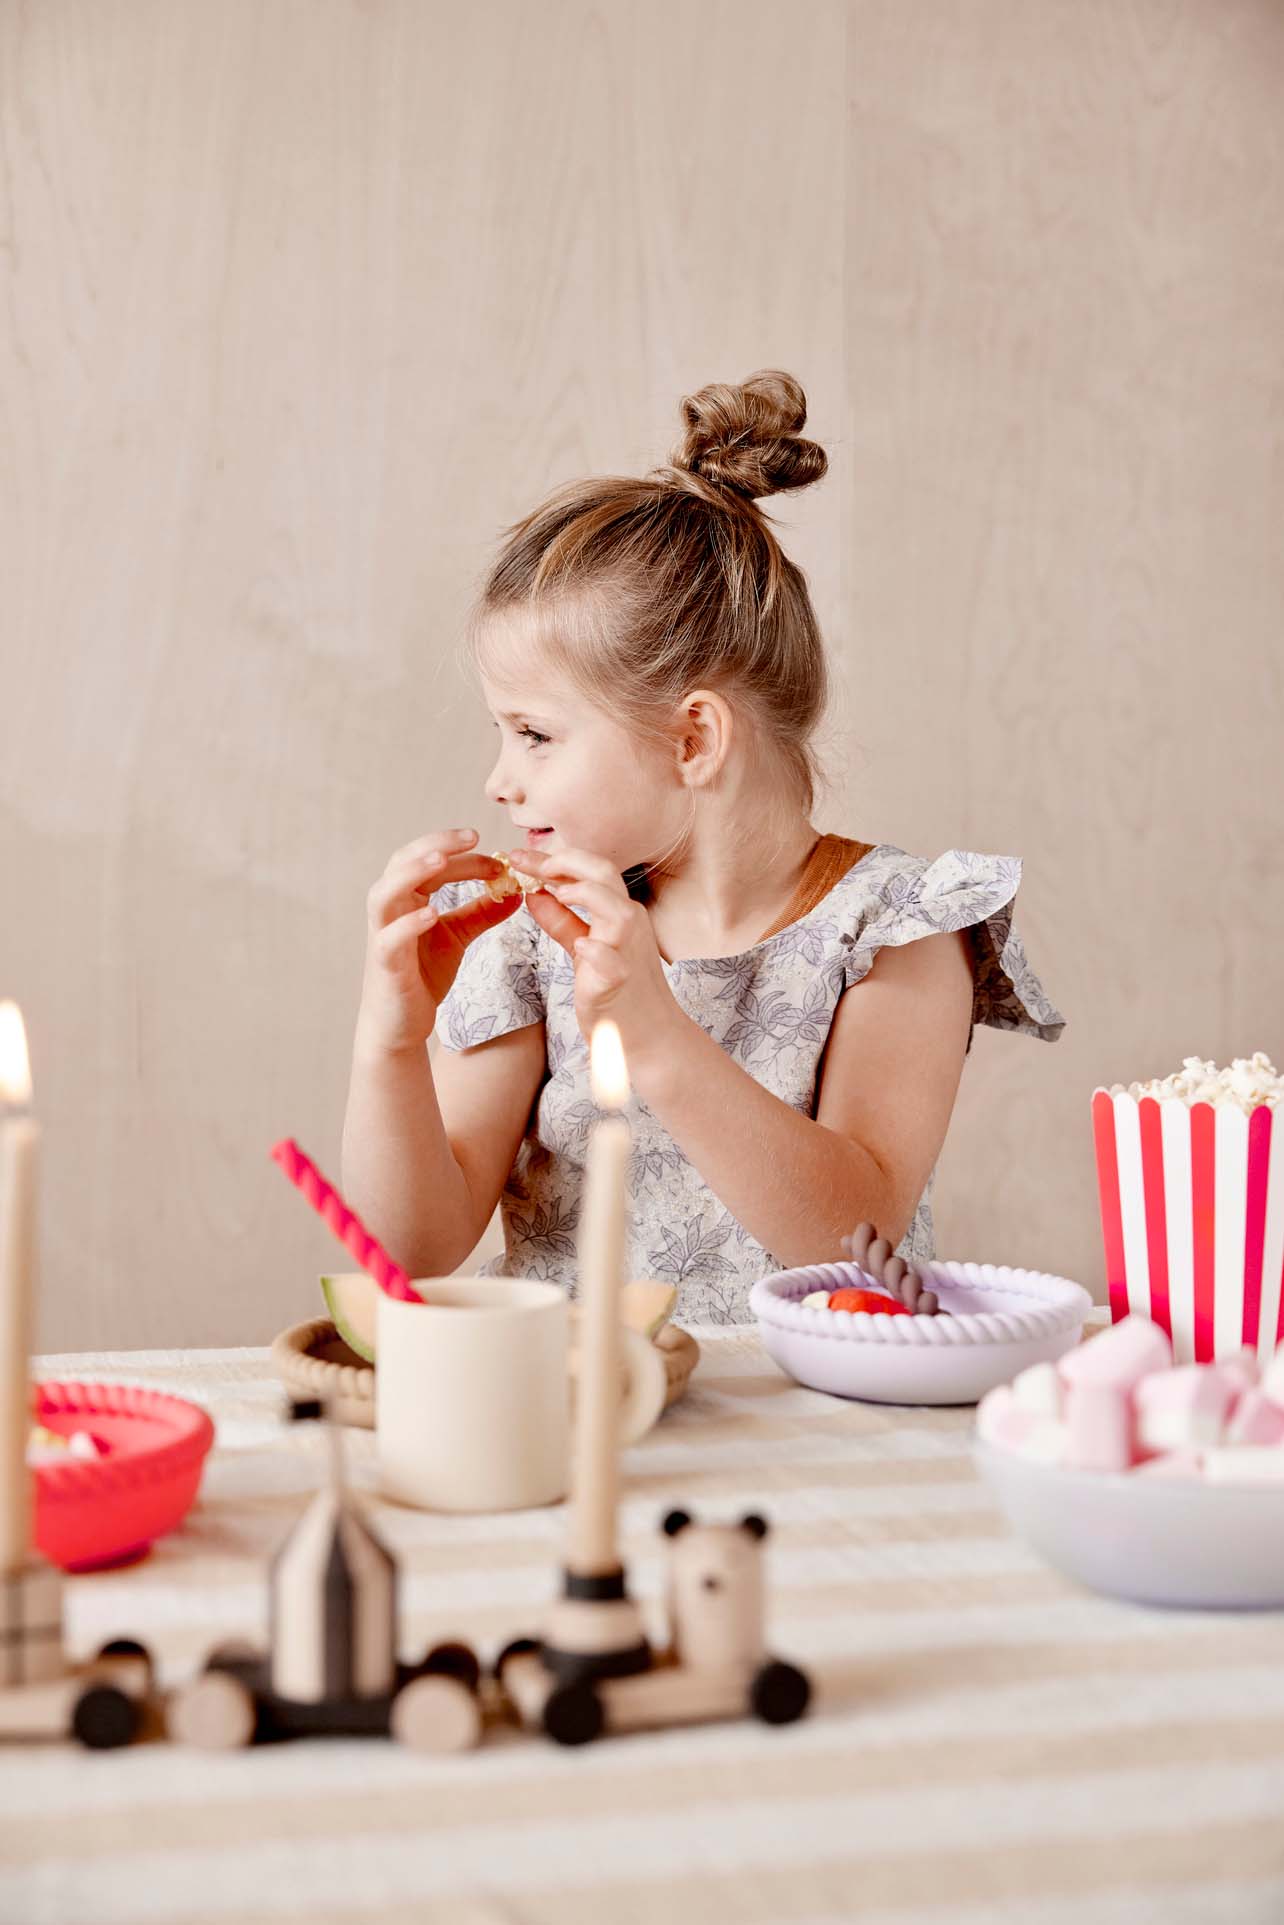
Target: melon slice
(352,1300)
(645,1306)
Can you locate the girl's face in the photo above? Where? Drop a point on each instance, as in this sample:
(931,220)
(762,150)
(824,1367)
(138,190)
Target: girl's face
(570,778)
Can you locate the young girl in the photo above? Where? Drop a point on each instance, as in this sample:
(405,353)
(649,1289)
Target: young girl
(795,1006)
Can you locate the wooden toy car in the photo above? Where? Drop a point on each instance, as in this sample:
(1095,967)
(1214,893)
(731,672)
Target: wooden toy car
(332,1667)
(100,1704)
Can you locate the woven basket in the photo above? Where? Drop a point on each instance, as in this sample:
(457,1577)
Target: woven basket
(312,1360)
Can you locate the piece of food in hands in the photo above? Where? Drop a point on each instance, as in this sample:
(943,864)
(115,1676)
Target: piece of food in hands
(511,882)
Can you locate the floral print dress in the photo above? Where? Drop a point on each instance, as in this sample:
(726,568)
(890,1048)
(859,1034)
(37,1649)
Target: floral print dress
(770,1008)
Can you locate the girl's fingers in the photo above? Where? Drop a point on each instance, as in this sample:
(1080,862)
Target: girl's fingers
(397,938)
(566,865)
(440,841)
(608,922)
(471,919)
(556,921)
(601,959)
(403,885)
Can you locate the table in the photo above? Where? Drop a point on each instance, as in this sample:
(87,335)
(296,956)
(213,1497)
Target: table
(987,1743)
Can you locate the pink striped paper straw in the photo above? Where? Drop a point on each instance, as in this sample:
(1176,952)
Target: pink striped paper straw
(345,1223)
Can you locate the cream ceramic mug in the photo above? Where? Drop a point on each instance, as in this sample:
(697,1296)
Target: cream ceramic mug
(473,1391)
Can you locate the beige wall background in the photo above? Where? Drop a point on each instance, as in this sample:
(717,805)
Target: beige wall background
(302,300)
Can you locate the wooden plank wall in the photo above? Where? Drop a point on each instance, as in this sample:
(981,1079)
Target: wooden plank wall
(302,300)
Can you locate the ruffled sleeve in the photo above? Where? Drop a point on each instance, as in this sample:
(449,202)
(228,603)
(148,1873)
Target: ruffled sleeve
(960,890)
(497,988)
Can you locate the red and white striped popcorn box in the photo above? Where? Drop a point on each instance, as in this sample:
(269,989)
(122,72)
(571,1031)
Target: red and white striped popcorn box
(1192,1217)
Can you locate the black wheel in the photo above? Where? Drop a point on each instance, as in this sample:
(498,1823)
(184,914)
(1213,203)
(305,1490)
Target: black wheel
(104,1718)
(779,1693)
(231,1653)
(573,1714)
(128,1648)
(453,1660)
(518,1648)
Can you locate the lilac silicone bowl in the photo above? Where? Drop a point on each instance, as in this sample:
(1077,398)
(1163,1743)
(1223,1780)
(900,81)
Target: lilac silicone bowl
(1001,1320)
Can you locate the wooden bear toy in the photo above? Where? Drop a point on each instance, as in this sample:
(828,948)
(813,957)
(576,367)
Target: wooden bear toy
(716,1664)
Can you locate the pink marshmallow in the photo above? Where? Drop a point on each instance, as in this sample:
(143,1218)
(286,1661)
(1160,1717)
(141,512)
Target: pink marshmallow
(1186,1406)
(1100,1425)
(1001,1420)
(1119,1358)
(1242,1368)
(1273,1377)
(1256,1420)
(1173,1463)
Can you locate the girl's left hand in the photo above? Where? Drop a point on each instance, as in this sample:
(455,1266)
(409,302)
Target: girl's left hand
(618,972)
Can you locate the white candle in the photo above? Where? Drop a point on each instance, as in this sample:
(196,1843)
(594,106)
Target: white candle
(601,1262)
(19,1148)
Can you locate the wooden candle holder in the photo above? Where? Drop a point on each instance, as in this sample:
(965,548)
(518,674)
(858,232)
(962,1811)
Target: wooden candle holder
(332,1666)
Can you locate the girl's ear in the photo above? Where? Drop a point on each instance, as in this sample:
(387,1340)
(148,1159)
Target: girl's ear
(703,728)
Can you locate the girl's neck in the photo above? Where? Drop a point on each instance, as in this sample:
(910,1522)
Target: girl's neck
(727,894)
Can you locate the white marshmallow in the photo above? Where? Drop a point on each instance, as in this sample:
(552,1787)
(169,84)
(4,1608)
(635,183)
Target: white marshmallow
(1244,1466)
(1272,1381)
(1039,1391)
(991,1411)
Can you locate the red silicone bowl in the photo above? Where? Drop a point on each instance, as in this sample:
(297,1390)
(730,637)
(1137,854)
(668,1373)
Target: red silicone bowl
(92,1512)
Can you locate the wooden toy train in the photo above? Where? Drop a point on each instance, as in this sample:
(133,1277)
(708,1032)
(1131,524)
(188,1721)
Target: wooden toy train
(333,1665)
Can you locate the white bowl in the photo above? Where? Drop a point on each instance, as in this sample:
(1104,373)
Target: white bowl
(1174,1541)
(1001,1321)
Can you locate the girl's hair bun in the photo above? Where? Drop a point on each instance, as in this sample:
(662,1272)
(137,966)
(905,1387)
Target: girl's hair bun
(746,438)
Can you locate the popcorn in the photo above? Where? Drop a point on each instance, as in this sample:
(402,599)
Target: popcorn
(510,883)
(1248,1081)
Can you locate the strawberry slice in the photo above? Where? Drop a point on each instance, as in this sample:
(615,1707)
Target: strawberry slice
(872,1300)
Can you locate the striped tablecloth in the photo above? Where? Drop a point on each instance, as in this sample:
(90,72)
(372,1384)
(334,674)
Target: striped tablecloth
(987,1743)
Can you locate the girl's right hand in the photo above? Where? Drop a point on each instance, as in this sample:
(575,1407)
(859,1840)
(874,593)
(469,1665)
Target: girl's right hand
(413,953)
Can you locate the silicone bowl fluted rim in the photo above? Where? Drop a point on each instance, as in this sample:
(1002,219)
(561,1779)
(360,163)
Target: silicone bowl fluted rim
(1044,1305)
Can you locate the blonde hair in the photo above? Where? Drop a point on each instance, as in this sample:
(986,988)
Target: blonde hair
(638,590)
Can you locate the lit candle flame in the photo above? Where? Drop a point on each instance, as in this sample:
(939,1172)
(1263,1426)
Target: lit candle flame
(607,1072)
(15,1065)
